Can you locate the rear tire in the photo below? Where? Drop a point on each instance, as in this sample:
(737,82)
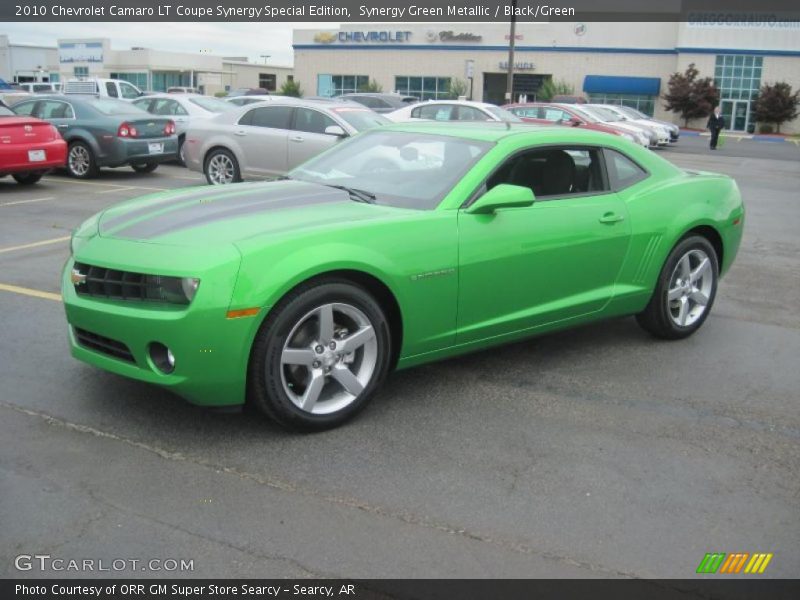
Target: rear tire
(145,167)
(685,290)
(27,178)
(81,162)
(320,356)
(181,151)
(221,167)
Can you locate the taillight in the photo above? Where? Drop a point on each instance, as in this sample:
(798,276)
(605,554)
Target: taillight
(169,128)
(54,130)
(127,130)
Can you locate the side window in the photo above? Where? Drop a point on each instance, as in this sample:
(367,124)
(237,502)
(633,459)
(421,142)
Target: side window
(622,171)
(554,172)
(274,117)
(53,109)
(555,115)
(167,107)
(434,112)
(24,108)
(128,91)
(111,89)
(470,113)
(311,121)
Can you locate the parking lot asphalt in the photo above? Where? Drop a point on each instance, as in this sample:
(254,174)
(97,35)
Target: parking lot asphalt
(595,452)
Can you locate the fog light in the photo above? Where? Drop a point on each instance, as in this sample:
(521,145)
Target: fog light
(162,357)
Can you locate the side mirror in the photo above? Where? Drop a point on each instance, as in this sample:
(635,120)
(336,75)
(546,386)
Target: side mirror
(575,122)
(335,130)
(502,196)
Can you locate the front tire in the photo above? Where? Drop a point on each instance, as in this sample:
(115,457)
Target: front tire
(27,178)
(685,291)
(145,167)
(221,168)
(81,162)
(320,356)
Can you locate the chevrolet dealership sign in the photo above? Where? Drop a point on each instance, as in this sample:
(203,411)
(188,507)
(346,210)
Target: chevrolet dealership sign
(362,37)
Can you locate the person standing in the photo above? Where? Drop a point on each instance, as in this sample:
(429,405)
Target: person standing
(715,124)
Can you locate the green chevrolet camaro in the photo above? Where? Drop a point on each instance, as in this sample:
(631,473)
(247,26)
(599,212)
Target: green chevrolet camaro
(401,246)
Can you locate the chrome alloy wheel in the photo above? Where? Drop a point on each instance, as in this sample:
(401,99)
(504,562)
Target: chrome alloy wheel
(690,288)
(329,358)
(79,160)
(220,169)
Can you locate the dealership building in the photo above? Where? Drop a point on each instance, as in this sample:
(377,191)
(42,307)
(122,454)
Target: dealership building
(606,62)
(147,68)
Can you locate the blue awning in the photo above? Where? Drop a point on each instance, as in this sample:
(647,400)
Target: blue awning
(4,85)
(611,84)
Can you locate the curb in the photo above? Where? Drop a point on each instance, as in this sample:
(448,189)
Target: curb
(745,136)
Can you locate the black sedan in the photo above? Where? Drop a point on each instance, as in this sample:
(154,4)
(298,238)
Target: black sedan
(104,132)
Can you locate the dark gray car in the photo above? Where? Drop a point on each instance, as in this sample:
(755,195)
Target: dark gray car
(105,132)
(380,103)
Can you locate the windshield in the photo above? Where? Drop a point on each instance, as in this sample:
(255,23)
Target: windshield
(633,113)
(401,169)
(584,114)
(503,114)
(360,118)
(109,106)
(4,112)
(604,114)
(214,105)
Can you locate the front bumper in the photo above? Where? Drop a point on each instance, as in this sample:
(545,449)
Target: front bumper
(211,351)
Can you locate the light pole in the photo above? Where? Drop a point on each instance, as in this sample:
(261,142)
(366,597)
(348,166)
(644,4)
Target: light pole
(511,44)
(265,57)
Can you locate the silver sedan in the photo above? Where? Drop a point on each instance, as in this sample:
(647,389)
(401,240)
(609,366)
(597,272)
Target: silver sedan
(184,110)
(268,139)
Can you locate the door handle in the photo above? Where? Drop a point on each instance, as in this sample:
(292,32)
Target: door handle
(611,218)
(240,133)
(297,139)
(62,125)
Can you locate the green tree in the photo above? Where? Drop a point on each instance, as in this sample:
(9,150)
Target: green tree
(456,88)
(291,88)
(690,97)
(550,89)
(371,87)
(776,104)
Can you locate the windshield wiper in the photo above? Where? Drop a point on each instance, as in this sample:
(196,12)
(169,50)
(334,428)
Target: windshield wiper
(356,194)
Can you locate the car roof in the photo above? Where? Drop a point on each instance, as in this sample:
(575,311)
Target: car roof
(321,104)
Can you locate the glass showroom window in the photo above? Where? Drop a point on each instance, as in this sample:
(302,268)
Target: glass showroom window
(424,88)
(738,78)
(347,84)
(137,79)
(646,104)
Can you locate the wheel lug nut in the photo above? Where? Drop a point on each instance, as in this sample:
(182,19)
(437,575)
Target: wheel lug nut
(315,364)
(319,349)
(333,346)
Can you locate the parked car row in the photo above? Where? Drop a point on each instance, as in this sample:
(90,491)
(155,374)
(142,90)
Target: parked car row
(256,135)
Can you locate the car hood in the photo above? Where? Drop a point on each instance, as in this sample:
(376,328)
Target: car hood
(229,214)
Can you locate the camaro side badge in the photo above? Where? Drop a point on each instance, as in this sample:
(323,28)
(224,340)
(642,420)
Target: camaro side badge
(77,277)
(430,274)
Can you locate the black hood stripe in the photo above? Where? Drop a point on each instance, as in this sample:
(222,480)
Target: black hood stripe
(173,200)
(266,198)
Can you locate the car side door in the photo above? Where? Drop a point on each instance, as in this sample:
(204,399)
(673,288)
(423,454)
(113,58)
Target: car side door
(58,112)
(308,137)
(262,135)
(557,260)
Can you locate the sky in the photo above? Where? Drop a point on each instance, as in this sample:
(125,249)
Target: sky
(223,39)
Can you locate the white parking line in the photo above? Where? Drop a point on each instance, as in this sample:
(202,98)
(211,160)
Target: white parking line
(114,185)
(27,201)
(122,189)
(34,244)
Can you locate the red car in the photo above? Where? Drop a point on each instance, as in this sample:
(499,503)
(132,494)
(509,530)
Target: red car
(29,147)
(562,114)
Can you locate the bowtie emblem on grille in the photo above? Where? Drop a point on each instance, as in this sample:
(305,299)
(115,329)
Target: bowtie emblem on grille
(77,277)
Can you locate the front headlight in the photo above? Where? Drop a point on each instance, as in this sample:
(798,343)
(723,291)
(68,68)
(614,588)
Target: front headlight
(189,286)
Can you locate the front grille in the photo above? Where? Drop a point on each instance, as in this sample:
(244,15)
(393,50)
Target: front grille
(114,284)
(104,345)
